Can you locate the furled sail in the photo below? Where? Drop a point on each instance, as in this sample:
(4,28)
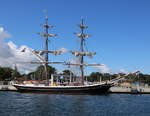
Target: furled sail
(47,26)
(78,64)
(83,26)
(56,52)
(77,53)
(82,35)
(47,62)
(47,34)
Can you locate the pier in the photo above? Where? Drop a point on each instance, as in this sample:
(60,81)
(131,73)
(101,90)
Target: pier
(130,90)
(7,88)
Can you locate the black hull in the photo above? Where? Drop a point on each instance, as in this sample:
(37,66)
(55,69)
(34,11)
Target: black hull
(95,89)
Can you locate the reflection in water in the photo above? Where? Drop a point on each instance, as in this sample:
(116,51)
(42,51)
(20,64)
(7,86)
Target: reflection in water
(19,104)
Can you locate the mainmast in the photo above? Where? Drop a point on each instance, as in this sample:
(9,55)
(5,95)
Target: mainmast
(81,53)
(82,37)
(46,36)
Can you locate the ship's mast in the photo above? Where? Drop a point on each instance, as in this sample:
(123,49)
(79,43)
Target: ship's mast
(46,49)
(82,50)
(82,37)
(81,53)
(46,36)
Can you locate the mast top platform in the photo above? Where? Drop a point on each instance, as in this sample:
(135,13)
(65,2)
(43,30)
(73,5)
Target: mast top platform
(82,26)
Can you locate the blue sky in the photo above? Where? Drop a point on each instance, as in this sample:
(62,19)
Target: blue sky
(120,29)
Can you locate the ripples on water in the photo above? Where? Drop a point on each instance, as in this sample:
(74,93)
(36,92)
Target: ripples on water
(23,104)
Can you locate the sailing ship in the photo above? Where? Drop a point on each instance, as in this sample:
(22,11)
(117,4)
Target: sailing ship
(81,87)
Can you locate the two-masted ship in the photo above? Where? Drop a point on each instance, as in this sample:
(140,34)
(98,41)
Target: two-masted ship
(72,87)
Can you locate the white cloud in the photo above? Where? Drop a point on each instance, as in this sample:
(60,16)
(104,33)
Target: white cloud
(63,50)
(122,71)
(10,54)
(4,34)
(103,68)
(4,48)
(1,29)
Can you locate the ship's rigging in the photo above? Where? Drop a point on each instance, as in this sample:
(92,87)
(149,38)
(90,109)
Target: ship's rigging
(101,87)
(80,54)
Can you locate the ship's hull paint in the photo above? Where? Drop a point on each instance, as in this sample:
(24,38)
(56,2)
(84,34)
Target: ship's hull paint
(95,89)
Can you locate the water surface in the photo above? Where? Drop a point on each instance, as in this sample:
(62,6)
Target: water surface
(24,104)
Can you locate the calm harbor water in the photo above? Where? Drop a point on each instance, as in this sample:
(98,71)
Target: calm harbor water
(23,104)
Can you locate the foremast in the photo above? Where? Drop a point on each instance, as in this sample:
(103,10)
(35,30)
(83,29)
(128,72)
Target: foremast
(46,36)
(82,37)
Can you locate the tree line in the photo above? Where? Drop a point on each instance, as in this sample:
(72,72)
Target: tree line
(7,74)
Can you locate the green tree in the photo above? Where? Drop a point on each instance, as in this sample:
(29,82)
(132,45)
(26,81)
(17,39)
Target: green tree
(67,72)
(5,73)
(15,73)
(39,74)
(94,76)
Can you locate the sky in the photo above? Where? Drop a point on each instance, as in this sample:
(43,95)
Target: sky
(119,29)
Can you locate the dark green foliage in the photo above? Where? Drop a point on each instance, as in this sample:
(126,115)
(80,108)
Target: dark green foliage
(39,74)
(6,73)
(67,72)
(95,76)
(142,78)
(15,73)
